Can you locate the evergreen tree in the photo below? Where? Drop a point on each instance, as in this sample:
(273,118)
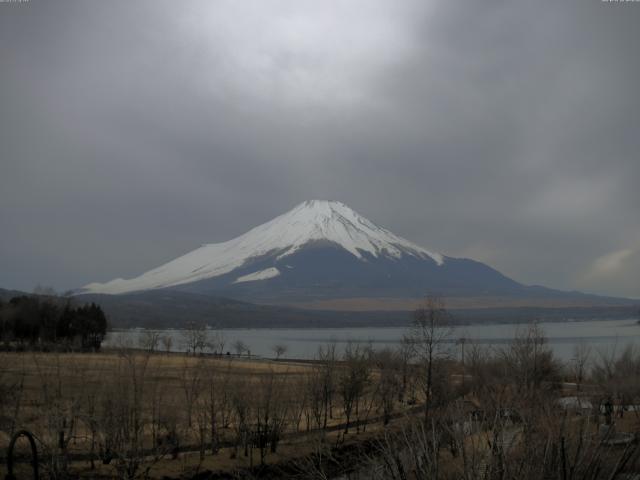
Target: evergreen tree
(40,320)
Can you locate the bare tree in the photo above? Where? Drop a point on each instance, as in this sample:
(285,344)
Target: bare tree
(191,379)
(194,337)
(428,336)
(279,350)
(241,402)
(462,342)
(89,409)
(619,376)
(495,449)
(120,416)
(12,379)
(217,341)
(388,381)
(353,380)
(327,379)
(60,406)
(269,413)
(167,343)
(214,406)
(530,359)
(240,347)
(149,340)
(405,354)
(299,406)
(579,363)
(316,395)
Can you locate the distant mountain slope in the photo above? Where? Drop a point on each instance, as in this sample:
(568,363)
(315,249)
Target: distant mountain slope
(311,224)
(168,308)
(318,250)
(174,309)
(9,294)
(322,251)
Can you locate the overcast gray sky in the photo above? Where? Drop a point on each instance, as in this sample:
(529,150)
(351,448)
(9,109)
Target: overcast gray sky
(133,131)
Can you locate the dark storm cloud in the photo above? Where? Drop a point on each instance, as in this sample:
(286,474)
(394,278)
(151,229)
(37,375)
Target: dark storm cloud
(131,132)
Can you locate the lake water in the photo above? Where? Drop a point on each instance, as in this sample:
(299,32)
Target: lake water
(303,343)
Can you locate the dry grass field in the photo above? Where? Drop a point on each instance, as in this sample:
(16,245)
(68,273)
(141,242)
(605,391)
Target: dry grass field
(130,414)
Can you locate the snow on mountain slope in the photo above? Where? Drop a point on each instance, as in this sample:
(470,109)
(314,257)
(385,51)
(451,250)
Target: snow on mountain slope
(311,221)
(261,275)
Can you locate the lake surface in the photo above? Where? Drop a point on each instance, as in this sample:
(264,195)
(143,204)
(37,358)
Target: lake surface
(303,343)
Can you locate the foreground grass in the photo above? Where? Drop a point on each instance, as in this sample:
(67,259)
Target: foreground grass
(156,415)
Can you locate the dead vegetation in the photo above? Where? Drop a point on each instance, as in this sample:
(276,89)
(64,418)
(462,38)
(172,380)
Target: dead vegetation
(410,413)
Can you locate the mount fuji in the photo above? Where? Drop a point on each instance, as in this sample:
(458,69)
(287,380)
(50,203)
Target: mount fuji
(321,251)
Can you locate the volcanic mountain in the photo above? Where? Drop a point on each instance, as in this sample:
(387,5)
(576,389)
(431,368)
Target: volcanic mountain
(322,251)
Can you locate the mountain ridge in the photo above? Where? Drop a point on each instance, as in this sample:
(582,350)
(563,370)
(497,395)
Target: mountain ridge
(169,308)
(308,222)
(322,252)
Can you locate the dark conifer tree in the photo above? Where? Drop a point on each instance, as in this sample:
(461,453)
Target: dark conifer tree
(37,320)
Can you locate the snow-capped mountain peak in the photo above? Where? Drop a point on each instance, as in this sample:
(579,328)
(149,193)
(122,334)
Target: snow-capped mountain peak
(317,220)
(309,222)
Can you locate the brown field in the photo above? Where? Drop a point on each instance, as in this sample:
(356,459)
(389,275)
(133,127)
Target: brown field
(193,403)
(364,304)
(131,414)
